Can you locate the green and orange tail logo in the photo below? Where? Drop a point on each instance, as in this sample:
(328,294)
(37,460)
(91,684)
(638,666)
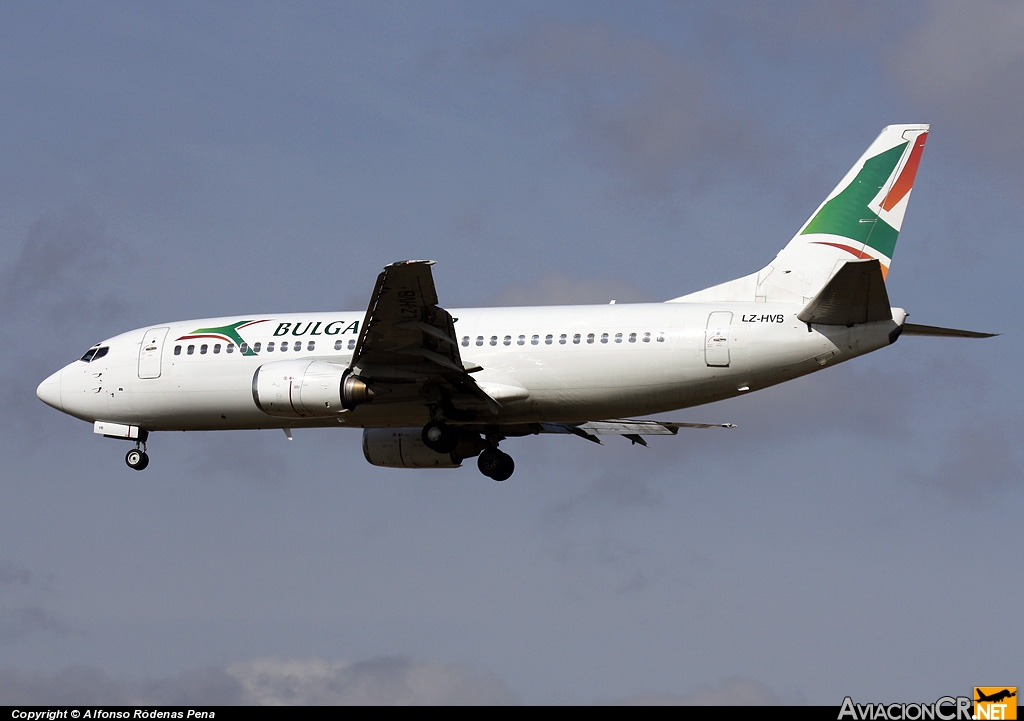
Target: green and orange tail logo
(862,217)
(859,220)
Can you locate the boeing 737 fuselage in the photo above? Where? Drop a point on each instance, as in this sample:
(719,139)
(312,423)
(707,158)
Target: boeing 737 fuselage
(432,387)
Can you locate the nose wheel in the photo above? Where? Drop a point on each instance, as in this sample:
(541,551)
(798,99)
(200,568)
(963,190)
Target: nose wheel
(137,458)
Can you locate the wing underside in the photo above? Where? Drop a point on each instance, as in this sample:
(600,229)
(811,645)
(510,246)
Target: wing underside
(634,430)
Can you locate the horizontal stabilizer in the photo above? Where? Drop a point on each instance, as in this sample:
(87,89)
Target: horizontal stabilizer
(936,332)
(855,294)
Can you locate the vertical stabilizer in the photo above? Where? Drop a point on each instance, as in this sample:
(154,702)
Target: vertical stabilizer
(859,220)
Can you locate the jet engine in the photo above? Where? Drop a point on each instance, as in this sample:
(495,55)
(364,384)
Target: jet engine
(404,448)
(307,388)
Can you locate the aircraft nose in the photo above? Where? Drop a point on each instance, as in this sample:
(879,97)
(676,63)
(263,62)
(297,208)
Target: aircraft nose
(49,391)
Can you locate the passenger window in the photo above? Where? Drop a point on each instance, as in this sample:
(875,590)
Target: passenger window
(309,346)
(604,337)
(339,343)
(548,339)
(203,348)
(256,347)
(632,337)
(647,337)
(521,340)
(465,341)
(230,348)
(576,339)
(535,340)
(177,350)
(243,348)
(661,337)
(216,348)
(590,337)
(284,345)
(352,344)
(618,337)
(270,347)
(494,340)
(562,338)
(479,340)
(507,340)
(191,349)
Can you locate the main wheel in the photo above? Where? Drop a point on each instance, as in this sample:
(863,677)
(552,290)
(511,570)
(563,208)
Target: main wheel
(495,464)
(136,459)
(506,467)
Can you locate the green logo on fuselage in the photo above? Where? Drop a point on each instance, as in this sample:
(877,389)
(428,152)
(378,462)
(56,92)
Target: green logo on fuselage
(230,333)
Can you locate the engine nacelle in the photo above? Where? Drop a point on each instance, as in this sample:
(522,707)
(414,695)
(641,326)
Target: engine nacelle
(403,448)
(307,388)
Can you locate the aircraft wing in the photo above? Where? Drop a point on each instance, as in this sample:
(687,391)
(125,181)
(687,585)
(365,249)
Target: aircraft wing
(407,347)
(629,428)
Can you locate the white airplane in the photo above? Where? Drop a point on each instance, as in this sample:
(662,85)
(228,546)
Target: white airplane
(431,387)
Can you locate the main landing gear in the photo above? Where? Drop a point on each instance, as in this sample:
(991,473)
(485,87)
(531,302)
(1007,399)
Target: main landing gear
(496,465)
(137,458)
(440,437)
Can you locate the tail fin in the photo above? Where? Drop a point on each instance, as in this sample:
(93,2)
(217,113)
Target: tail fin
(860,219)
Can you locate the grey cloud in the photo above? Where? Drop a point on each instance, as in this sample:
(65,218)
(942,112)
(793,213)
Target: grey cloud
(244,454)
(268,682)
(559,289)
(385,681)
(75,685)
(63,271)
(650,113)
(12,575)
(617,486)
(85,685)
(382,681)
(211,686)
(965,61)
(979,463)
(67,277)
(856,402)
(23,611)
(731,692)
(17,624)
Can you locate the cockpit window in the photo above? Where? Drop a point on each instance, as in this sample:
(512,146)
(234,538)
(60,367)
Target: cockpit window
(95,353)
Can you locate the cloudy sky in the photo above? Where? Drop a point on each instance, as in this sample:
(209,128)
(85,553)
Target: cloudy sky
(858,534)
